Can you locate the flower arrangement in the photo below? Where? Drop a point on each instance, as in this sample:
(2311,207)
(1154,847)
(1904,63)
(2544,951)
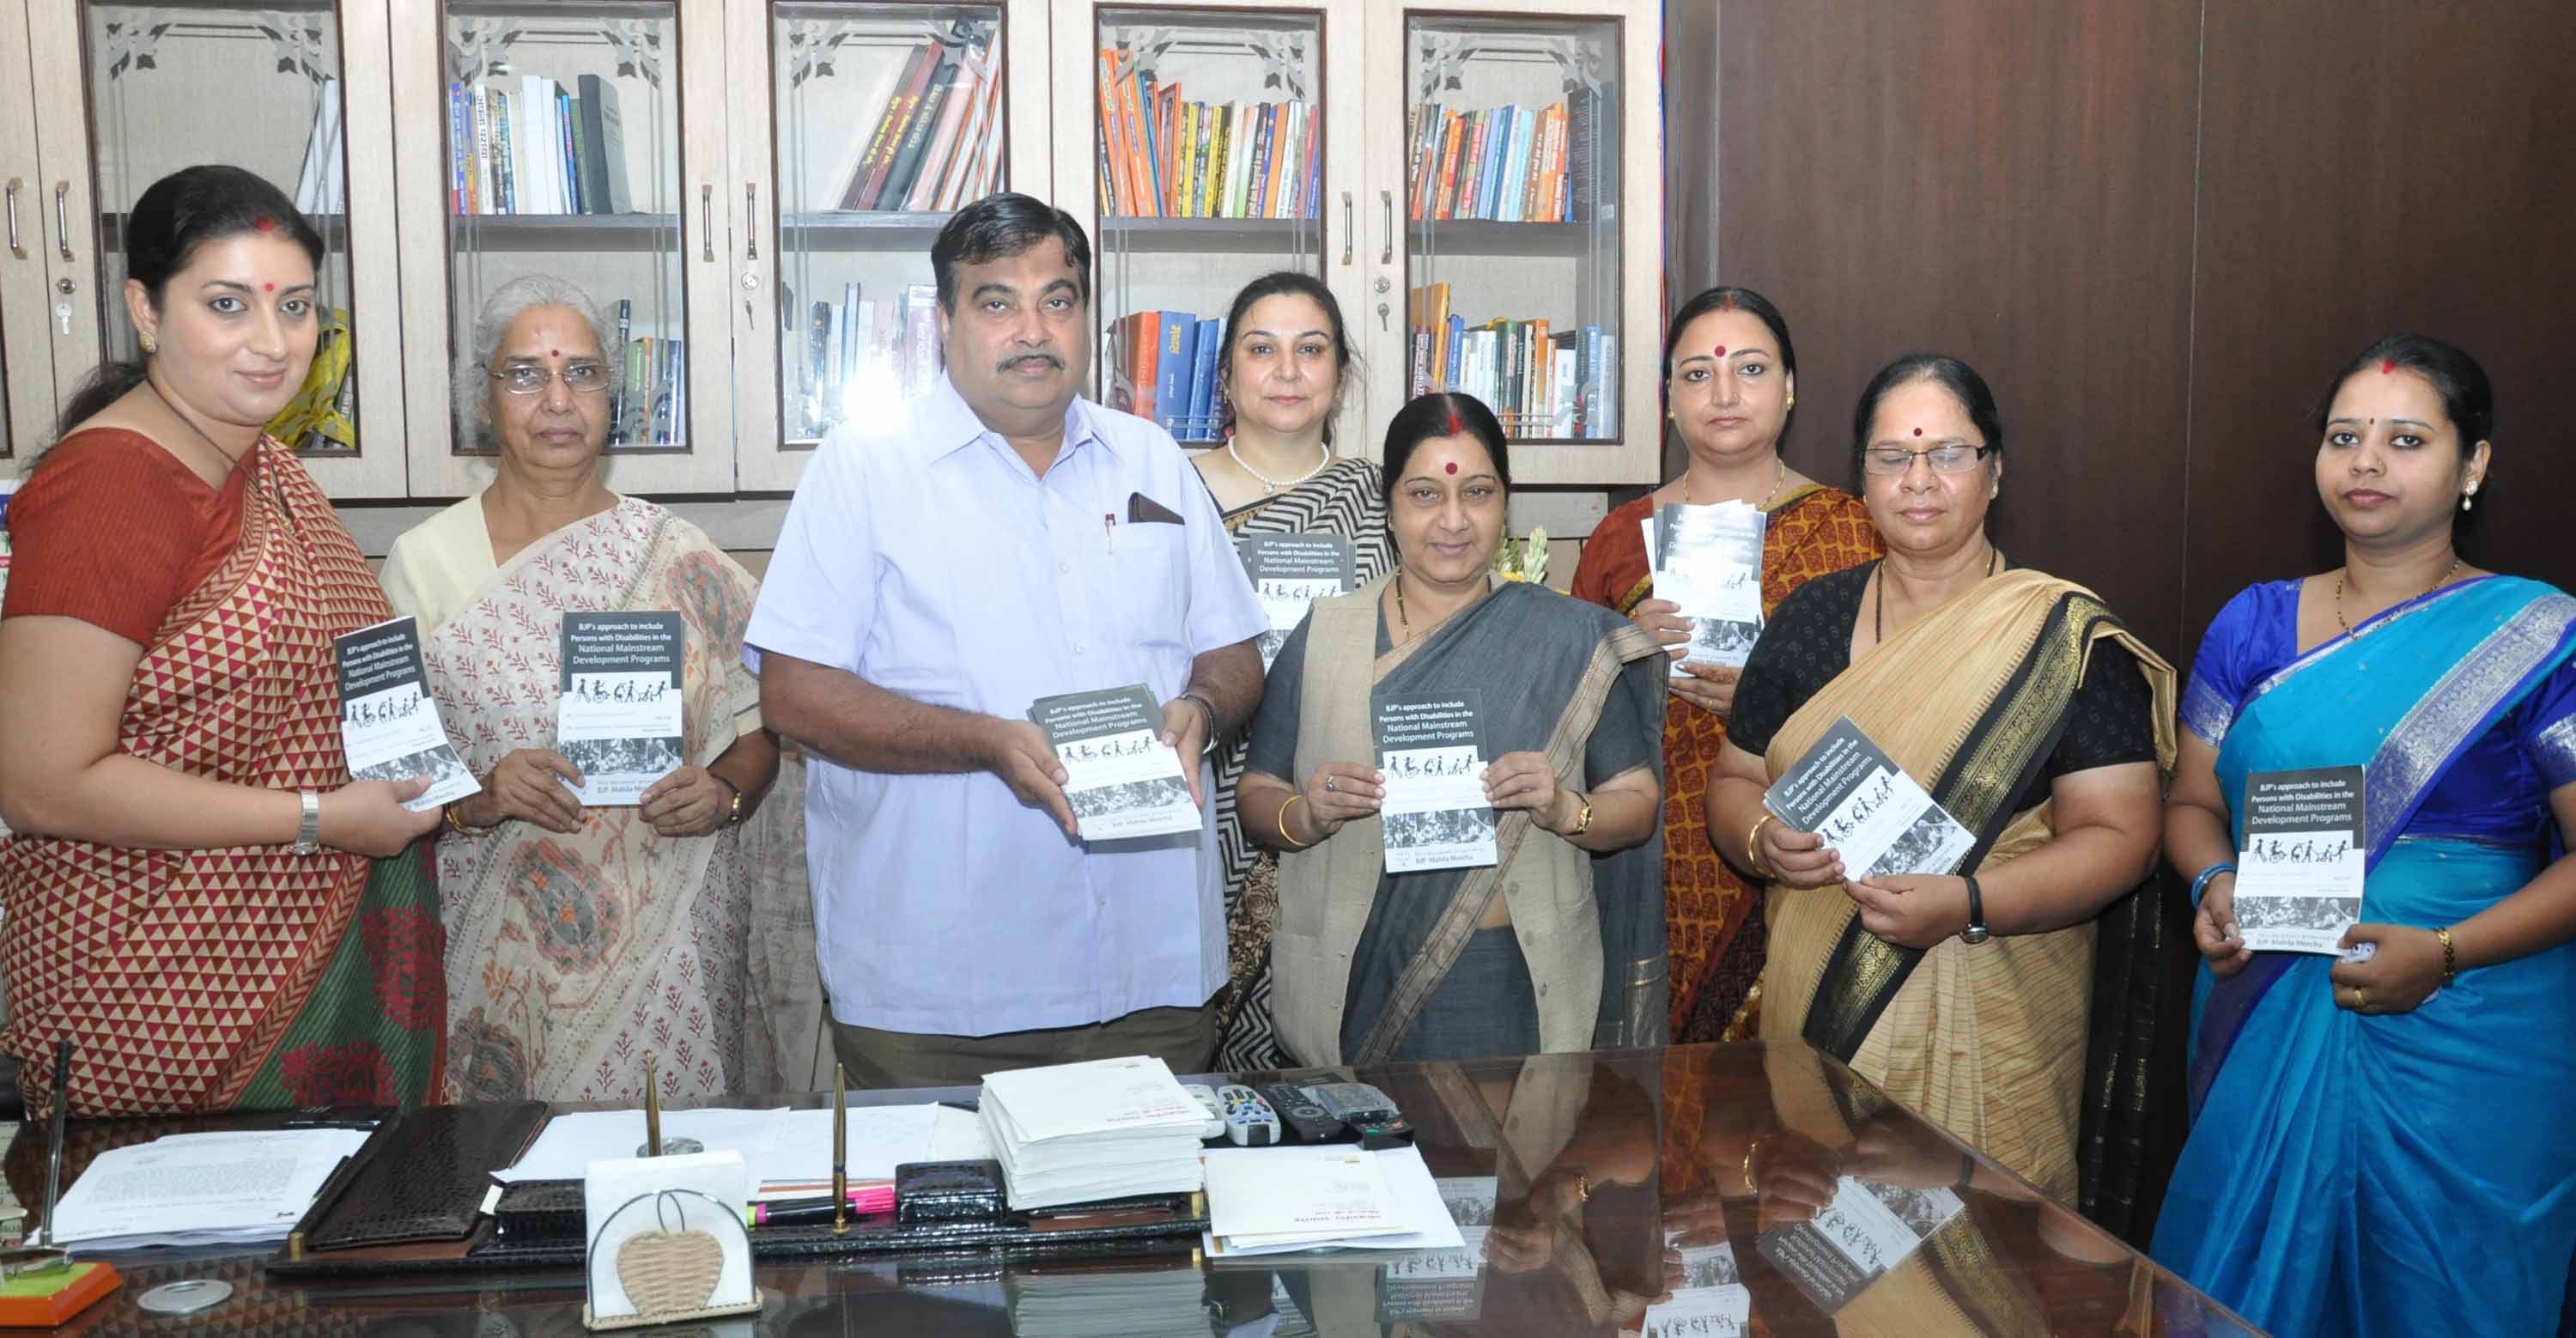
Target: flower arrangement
(1523,559)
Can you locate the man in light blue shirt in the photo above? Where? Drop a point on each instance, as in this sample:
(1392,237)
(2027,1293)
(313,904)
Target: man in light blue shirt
(945,563)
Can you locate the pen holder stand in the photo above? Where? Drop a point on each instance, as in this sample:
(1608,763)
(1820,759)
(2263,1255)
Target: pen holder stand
(668,1272)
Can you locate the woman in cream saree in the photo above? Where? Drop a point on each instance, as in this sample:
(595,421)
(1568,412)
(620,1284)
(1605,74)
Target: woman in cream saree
(2025,709)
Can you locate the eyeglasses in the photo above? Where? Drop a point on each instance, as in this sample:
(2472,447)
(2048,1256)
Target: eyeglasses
(527,378)
(1953,458)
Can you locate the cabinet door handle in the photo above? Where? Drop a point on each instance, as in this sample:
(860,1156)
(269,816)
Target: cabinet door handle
(63,217)
(1386,200)
(706,221)
(16,248)
(750,220)
(1346,227)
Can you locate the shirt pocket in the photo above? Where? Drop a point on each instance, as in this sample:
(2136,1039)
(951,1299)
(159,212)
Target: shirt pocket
(1149,564)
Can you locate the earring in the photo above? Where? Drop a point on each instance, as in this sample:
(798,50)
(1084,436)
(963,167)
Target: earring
(150,344)
(2468,496)
(1792,403)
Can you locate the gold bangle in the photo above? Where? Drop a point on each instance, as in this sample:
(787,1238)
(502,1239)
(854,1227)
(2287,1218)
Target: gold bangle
(1582,820)
(1283,822)
(1749,1150)
(454,823)
(1753,845)
(2450,957)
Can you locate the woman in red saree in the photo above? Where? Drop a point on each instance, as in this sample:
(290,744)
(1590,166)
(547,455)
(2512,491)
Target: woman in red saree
(1730,379)
(191,898)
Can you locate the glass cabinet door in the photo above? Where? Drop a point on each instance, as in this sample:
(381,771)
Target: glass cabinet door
(259,84)
(26,348)
(579,140)
(883,120)
(1511,219)
(1220,148)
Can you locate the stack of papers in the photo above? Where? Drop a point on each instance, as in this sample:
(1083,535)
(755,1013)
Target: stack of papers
(789,1152)
(1106,1129)
(1160,1303)
(1284,1199)
(201,1189)
(1711,1300)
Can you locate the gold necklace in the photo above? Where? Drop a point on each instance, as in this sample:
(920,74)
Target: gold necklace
(2447,574)
(1401,620)
(1779,484)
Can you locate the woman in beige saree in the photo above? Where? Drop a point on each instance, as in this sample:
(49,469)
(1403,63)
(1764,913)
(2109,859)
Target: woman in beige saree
(2029,713)
(582,940)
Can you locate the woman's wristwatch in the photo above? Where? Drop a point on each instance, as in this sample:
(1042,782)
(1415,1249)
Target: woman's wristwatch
(1976,932)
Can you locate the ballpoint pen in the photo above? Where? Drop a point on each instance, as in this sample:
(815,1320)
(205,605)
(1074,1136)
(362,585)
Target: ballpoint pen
(840,1150)
(1109,530)
(54,1153)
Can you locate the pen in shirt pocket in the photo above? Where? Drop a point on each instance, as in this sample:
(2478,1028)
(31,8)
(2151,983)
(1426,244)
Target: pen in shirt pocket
(1109,531)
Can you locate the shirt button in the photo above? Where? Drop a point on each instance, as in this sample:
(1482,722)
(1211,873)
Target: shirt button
(1077,648)
(1064,566)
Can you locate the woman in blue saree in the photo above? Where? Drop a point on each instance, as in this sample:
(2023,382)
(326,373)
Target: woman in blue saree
(1559,943)
(2381,1146)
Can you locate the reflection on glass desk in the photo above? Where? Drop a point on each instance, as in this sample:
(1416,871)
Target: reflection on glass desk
(1599,1193)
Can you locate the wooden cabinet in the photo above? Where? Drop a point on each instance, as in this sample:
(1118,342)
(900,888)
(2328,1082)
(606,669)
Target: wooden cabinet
(767,258)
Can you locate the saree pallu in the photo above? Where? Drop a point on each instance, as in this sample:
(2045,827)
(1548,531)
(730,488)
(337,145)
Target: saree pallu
(1985,1040)
(572,957)
(246,977)
(2401,1173)
(1712,915)
(1342,500)
(1591,926)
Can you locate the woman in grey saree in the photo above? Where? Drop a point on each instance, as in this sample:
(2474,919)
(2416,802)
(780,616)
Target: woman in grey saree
(1559,944)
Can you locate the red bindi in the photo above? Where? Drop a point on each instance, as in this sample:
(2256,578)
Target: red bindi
(2387,366)
(1453,466)
(554,353)
(268,287)
(264,223)
(1721,351)
(1918,432)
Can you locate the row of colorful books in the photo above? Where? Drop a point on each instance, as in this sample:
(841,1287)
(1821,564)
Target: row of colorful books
(1505,164)
(863,351)
(535,148)
(1162,157)
(652,408)
(1162,366)
(937,141)
(1542,382)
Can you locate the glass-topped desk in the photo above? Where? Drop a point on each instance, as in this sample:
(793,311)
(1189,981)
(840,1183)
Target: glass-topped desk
(1634,1191)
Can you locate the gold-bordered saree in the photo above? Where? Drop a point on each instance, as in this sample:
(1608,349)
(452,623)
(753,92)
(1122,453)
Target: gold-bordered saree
(1988,1041)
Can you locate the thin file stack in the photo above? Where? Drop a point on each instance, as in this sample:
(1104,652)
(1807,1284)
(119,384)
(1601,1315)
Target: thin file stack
(1106,1129)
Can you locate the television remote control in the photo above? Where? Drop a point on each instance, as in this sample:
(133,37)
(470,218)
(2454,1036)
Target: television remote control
(1215,1126)
(1249,1121)
(1301,1114)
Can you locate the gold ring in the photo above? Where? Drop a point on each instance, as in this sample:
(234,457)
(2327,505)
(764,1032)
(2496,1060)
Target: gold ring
(2360,998)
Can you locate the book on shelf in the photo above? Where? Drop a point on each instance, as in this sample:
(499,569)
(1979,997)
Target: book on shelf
(536,148)
(1509,164)
(1167,157)
(1540,381)
(1162,367)
(864,352)
(934,141)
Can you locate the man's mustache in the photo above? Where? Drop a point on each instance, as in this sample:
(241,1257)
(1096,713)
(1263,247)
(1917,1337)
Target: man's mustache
(1049,359)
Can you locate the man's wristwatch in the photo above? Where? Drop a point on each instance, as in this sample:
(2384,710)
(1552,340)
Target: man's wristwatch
(308,829)
(1976,932)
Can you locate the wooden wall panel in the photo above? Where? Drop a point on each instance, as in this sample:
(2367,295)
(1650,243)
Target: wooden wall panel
(2005,180)
(2370,166)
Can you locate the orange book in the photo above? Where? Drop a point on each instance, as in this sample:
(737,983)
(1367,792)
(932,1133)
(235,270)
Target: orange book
(1131,163)
(1551,201)
(1113,150)
(1149,347)
(1271,205)
(1435,309)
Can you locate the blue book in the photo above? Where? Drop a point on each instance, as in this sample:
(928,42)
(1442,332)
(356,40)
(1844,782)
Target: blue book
(571,153)
(1173,371)
(1507,202)
(1153,150)
(1206,401)
(1457,341)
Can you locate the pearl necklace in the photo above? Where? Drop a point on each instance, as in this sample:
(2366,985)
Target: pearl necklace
(1271,486)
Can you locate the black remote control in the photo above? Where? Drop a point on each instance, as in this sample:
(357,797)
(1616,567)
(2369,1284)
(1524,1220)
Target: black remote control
(1302,1114)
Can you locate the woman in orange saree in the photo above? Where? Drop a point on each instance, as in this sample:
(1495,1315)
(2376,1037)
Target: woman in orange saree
(1730,377)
